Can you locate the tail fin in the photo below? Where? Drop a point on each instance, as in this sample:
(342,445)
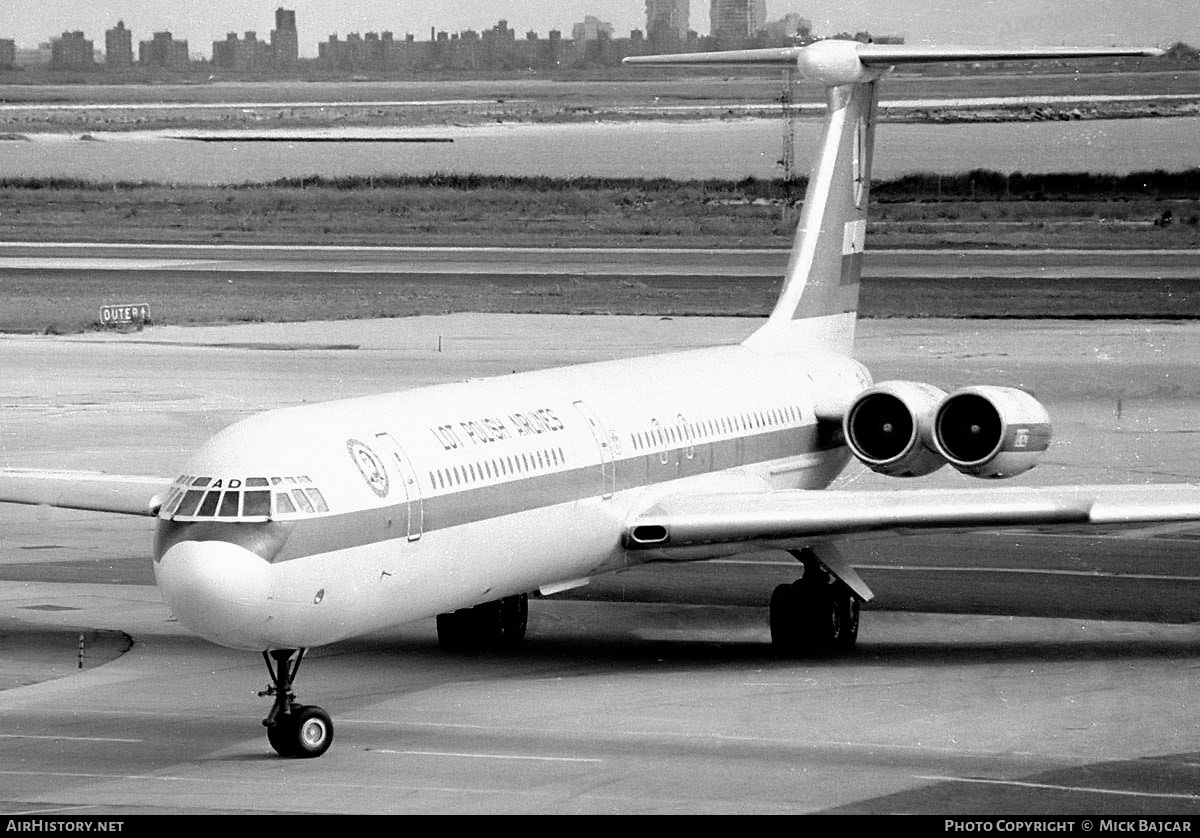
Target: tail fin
(819,300)
(818,304)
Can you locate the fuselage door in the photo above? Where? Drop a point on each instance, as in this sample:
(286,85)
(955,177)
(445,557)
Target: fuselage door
(402,467)
(689,441)
(608,469)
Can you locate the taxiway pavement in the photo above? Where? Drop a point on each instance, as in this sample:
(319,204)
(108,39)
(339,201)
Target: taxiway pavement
(657,692)
(945,263)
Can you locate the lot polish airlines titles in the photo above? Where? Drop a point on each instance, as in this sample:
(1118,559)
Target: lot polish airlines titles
(487,429)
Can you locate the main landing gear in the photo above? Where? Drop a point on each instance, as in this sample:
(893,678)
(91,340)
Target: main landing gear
(497,626)
(815,616)
(294,730)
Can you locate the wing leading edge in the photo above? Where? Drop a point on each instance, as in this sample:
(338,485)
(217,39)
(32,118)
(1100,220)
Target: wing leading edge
(882,56)
(787,517)
(86,490)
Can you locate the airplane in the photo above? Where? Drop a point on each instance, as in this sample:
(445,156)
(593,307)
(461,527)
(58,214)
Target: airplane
(309,525)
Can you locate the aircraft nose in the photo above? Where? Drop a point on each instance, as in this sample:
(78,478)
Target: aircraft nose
(218,590)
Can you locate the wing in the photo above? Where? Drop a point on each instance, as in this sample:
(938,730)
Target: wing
(887,55)
(701,525)
(89,490)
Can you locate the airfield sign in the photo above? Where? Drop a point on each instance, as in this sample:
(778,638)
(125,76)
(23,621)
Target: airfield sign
(125,315)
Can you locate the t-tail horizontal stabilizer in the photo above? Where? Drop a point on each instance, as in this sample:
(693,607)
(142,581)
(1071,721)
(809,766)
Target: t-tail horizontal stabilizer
(819,300)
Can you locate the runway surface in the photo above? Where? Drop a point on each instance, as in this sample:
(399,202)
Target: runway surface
(24,257)
(650,691)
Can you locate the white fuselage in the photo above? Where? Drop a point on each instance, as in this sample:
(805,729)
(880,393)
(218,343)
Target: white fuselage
(430,500)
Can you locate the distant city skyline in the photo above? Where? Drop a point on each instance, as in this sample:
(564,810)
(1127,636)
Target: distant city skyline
(1021,22)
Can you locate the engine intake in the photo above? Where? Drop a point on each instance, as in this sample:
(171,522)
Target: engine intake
(889,428)
(991,432)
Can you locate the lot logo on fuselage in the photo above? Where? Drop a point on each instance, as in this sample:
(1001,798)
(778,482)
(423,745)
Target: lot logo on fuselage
(370,465)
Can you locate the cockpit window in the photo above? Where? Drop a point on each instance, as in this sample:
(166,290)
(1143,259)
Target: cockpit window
(194,498)
(256,503)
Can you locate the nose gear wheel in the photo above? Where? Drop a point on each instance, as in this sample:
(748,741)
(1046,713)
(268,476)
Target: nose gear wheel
(294,730)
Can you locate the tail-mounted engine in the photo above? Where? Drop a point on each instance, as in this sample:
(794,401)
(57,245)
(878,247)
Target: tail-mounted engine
(889,428)
(910,429)
(991,431)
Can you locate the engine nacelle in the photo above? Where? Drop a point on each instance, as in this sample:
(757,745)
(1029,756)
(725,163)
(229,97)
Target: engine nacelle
(889,428)
(991,431)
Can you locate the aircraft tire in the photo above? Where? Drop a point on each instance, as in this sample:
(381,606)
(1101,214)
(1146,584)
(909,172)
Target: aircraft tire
(454,630)
(495,626)
(786,626)
(813,621)
(282,737)
(850,607)
(304,733)
(512,619)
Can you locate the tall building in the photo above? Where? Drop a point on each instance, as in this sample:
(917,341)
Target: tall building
(72,51)
(591,29)
(38,56)
(734,22)
(244,55)
(791,27)
(285,42)
(592,38)
(667,22)
(163,50)
(118,47)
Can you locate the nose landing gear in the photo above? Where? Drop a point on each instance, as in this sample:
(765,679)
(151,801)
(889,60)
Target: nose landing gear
(294,730)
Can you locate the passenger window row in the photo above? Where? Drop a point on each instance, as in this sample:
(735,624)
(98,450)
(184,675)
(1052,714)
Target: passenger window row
(242,499)
(497,468)
(682,433)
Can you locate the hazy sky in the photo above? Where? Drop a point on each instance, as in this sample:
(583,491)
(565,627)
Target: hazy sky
(1022,22)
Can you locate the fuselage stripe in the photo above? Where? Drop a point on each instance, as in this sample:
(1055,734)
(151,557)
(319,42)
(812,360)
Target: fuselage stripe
(444,510)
